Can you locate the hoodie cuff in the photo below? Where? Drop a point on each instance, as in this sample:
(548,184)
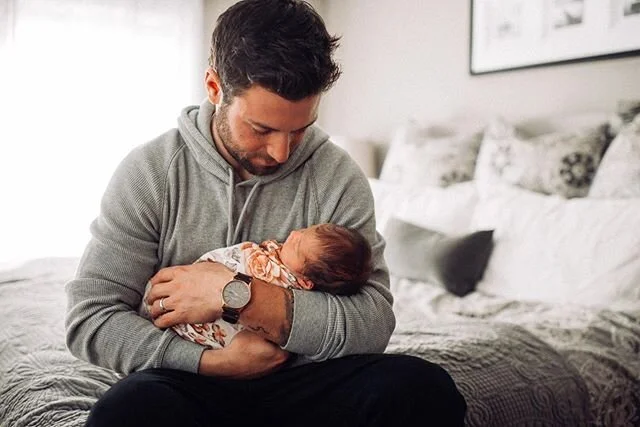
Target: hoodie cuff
(182,355)
(309,325)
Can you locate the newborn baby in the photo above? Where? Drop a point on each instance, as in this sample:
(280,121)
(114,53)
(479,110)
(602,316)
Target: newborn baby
(324,257)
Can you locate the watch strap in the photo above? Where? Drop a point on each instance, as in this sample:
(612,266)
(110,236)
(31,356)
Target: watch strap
(230,315)
(240,276)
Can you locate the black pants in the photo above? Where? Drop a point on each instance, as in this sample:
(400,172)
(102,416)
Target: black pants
(354,391)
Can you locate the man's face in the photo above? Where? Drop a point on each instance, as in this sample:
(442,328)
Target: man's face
(259,129)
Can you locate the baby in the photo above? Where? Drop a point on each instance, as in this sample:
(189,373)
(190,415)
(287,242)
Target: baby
(325,257)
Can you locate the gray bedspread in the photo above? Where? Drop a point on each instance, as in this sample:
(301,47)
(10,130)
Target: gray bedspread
(41,383)
(567,365)
(517,364)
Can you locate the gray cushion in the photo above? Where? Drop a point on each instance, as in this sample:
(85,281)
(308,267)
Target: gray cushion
(455,262)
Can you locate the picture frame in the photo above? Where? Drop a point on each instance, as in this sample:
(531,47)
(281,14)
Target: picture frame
(516,34)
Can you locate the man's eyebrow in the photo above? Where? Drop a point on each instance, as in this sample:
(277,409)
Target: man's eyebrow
(254,123)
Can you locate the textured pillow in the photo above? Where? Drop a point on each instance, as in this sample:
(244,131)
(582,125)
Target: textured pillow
(578,251)
(431,156)
(456,263)
(562,163)
(627,110)
(619,172)
(447,210)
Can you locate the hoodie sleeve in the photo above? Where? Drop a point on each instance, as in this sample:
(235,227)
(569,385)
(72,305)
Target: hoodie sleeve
(327,326)
(102,324)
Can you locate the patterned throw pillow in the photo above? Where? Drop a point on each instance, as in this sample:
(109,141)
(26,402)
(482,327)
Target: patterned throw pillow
(436,156)
(619,173)
(562,163)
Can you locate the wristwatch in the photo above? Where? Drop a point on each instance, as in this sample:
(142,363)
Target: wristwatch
(235,296)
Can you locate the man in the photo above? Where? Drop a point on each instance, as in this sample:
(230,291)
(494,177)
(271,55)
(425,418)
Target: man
(247,164)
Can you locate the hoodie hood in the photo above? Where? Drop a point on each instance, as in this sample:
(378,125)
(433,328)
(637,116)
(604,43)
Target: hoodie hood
(194,125)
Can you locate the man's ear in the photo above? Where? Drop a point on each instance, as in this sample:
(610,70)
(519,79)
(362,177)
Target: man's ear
(213,86)
(305,282)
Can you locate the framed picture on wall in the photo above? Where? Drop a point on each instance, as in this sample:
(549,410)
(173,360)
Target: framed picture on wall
(515,34)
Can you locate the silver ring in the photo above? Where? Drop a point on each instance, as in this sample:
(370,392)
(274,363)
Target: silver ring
(162,304)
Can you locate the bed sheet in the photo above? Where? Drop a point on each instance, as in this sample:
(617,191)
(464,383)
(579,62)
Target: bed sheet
(41,383)
(601,346)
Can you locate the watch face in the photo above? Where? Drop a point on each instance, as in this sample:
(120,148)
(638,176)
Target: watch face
(236,294)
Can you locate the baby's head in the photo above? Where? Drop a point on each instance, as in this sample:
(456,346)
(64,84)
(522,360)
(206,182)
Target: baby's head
(329,258)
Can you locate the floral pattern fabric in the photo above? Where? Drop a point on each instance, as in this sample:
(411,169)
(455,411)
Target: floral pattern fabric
(257,260)
(562,163)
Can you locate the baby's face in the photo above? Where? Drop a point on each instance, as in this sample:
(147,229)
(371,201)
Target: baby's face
(301,247)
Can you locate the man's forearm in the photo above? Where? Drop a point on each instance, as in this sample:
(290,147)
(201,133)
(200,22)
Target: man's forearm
(216,363)
(270,312)
(247,356)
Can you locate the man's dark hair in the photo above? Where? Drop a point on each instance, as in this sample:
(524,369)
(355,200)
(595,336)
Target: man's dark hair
(281,45)
(344,264)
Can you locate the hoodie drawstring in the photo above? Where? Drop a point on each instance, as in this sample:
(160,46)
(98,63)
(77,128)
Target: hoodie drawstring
(233,233)
(230,218)
(244,211)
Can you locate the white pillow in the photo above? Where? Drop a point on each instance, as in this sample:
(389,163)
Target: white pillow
(619,172)
(580,251)
(447,210)
(386,198)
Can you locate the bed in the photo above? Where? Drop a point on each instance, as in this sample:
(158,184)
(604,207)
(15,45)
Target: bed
(540,324)
(547,335)
(516,363)
(41,383)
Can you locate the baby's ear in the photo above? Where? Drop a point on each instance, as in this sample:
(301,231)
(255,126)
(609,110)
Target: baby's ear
(305,283)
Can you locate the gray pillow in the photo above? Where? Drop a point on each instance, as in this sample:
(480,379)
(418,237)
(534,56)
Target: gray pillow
(456,263)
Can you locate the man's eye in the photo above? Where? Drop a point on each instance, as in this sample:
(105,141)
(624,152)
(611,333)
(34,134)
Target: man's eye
(260,131)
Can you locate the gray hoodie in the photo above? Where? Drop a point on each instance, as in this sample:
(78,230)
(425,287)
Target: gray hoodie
(175,198)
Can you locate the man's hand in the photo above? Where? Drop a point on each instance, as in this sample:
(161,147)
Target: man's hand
(189,293)
(247,356)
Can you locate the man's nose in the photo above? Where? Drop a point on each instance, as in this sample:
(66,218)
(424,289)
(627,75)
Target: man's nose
(280,148)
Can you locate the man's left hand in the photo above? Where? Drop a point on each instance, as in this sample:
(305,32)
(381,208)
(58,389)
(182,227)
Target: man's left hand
(189,293)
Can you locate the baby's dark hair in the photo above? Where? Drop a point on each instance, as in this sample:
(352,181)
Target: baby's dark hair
(344,263)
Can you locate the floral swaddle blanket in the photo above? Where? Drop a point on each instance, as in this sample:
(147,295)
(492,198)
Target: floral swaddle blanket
(259,261)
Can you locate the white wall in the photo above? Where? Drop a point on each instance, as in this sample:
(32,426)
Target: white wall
(409,58)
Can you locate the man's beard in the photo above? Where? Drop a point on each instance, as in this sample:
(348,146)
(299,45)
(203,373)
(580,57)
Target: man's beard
(221,123)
